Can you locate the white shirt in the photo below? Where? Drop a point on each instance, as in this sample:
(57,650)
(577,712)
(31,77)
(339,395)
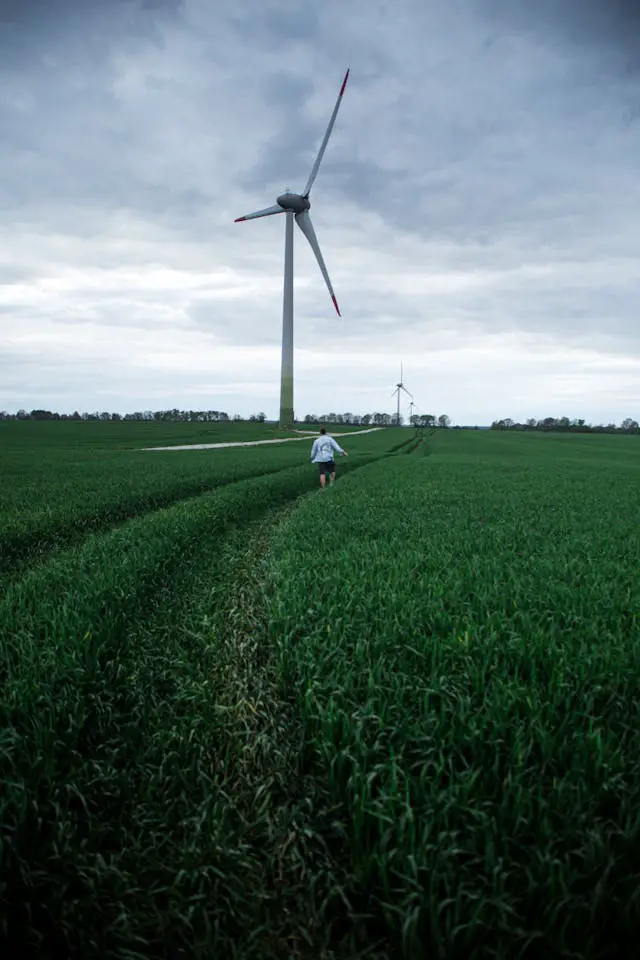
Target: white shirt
(322,449)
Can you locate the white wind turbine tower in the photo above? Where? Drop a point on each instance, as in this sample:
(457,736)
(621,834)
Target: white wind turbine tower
(297,205)
(400,386)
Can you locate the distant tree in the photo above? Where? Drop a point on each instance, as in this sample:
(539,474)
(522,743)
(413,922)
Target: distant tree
(261,417)
(365,419)
(444,421)
(629,425)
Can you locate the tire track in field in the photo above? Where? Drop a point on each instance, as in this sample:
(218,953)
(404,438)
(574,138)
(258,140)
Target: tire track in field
(25,552)
(215,601)
(36,548)
(28,552)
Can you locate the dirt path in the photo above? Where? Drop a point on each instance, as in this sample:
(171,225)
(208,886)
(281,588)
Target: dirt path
(257,443)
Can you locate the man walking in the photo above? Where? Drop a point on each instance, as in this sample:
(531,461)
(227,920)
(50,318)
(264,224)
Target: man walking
(322,454)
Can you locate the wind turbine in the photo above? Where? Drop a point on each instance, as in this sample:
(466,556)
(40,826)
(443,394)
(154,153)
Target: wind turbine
(297,205)
(400,386)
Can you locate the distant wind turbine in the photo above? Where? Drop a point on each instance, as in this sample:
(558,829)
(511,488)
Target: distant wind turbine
(400,386)
(297,205)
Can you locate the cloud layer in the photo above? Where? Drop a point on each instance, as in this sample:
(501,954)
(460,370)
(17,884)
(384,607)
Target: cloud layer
(477,206)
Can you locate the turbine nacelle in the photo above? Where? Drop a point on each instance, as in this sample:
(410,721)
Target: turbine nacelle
(294,202)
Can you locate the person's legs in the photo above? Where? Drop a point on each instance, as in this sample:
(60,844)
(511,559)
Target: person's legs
(332,471)
(323,475)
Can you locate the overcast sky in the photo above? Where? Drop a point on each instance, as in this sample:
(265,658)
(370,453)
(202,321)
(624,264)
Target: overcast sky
(478,205)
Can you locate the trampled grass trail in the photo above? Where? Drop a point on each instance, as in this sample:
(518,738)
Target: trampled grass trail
(147,801)
(54,497)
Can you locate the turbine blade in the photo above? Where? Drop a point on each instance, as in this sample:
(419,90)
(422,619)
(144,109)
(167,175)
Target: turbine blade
(407,392)
(316,166)
(267,212)
(304,222)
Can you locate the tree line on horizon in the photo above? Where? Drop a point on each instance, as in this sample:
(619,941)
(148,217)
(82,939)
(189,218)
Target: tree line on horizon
(379,419)
(220,416)
(566,425)
(427,420)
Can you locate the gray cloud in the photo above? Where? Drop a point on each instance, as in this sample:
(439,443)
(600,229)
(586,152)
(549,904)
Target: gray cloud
(480,189)
(590,24)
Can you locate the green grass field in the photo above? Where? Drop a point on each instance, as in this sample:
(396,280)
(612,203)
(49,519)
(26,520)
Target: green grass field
(243,717)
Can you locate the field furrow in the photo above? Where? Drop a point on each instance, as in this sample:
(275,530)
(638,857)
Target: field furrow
(58,500)
(111,689)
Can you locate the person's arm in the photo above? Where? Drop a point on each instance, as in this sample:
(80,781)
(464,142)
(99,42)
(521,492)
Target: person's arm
(313,450)
(336,446)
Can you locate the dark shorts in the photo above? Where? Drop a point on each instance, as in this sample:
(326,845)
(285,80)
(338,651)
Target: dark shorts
(328,467)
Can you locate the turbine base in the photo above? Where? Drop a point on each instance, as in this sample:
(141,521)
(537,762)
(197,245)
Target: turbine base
(286,419)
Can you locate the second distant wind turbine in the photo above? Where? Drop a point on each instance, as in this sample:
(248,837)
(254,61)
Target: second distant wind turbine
(296,205)
(400,386)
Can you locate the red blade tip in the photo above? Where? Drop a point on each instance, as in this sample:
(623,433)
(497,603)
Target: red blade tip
(238,219)
(344,82)
(335,303)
